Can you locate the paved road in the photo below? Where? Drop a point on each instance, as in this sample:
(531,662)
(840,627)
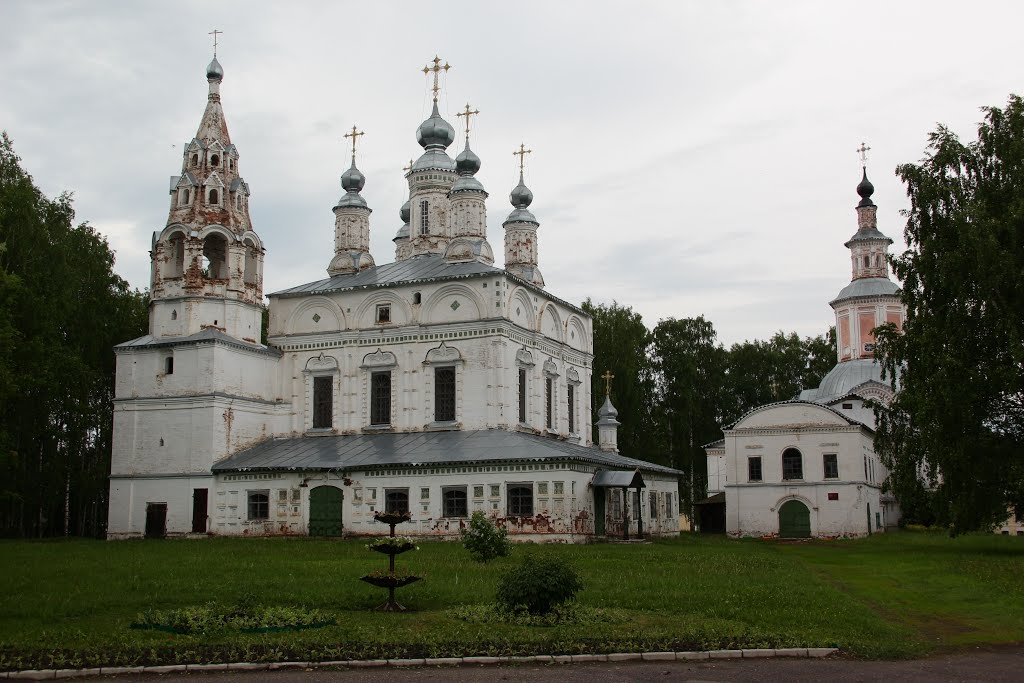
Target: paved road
(991,666)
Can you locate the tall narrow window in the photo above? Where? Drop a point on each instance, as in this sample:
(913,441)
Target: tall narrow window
(792,464)
(444,394)
(169,365)
(195,159)
(259,505)
(323,401)
(214,160)
(522,395)
(570,406)
(754,468)
(549,413)
(214,197)
(380,398)
(831,461)
(424,217)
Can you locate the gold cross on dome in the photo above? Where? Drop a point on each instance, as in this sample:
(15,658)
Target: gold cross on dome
(215,33)
(468,114)
(409,167)
(607,377)
(354,135)
(522,155)
(437,69)
(863,152)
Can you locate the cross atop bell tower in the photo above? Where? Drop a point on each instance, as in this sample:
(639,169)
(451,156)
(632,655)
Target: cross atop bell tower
(436,69)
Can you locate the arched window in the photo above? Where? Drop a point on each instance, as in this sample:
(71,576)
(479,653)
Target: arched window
(454,501)
(215,249)
(195,159)
(214,160)
(866,262)
(396,500)
(424,217)
(177,261)
(249,274)
(792,464)
(214,197)
(174,315)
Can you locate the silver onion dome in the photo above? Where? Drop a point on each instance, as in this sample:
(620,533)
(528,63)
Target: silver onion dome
(467,162)
(215,71)
(435,132)
(352,182)
(521,196)
(405,212)
(353,179)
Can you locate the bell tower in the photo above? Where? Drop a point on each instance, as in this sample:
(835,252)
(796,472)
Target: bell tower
(871,298)
(207,263)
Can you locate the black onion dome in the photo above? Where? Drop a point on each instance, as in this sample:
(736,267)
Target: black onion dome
(865,189)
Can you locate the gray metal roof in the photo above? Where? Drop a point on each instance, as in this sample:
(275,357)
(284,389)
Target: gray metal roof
(868,286)
(357,451)
(421,268)
(619,479)
(846,376)
(868,234)
(415,269)
(209,334)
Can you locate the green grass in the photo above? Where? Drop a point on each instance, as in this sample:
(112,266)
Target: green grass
(70,603)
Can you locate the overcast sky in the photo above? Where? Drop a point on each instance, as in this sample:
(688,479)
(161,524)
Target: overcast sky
(688,157)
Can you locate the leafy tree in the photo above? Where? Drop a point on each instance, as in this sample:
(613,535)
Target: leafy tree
(61,311)
(691,378)
(957,422)
(622,346)
(761,372)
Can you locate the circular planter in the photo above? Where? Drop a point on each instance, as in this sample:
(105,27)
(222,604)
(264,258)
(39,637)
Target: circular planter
(393,549)
(389,581)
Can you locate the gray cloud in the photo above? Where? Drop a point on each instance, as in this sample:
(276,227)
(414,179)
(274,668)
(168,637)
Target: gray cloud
(688,157)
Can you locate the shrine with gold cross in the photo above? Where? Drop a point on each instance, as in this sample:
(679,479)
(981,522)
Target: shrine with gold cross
(441,381)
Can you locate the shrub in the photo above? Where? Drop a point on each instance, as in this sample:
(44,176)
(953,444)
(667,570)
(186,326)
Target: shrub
(538,585)
(484,539)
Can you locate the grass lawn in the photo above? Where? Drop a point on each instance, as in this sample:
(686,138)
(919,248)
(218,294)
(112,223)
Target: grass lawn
(70,603)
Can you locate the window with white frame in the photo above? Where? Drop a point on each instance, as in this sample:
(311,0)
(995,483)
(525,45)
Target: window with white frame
(258,505)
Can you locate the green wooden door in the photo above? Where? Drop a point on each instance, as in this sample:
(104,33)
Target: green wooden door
(325,511)
(599,494)
(794,520)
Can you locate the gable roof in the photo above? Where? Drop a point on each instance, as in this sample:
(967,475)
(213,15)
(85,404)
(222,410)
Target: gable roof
(797,401)
(369,451)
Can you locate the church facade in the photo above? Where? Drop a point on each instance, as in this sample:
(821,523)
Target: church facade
(438,384)
(807,467)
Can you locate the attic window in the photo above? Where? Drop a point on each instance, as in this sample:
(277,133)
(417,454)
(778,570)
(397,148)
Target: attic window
(195,159)
(214,160)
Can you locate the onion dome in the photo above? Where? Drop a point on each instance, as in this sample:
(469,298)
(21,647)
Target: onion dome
(467,164)
(405,211)
(215,71)
(607,411)
(865,189)
(435,132)
(402,234)
(352,182)
(521,198)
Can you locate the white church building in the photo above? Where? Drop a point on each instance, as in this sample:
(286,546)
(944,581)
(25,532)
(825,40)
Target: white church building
(438,384)
(807,467)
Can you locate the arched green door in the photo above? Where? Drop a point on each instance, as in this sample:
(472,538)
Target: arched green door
(325,511)
(794,520)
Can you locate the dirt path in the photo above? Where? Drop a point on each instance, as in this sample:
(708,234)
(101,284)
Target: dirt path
(997,665)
